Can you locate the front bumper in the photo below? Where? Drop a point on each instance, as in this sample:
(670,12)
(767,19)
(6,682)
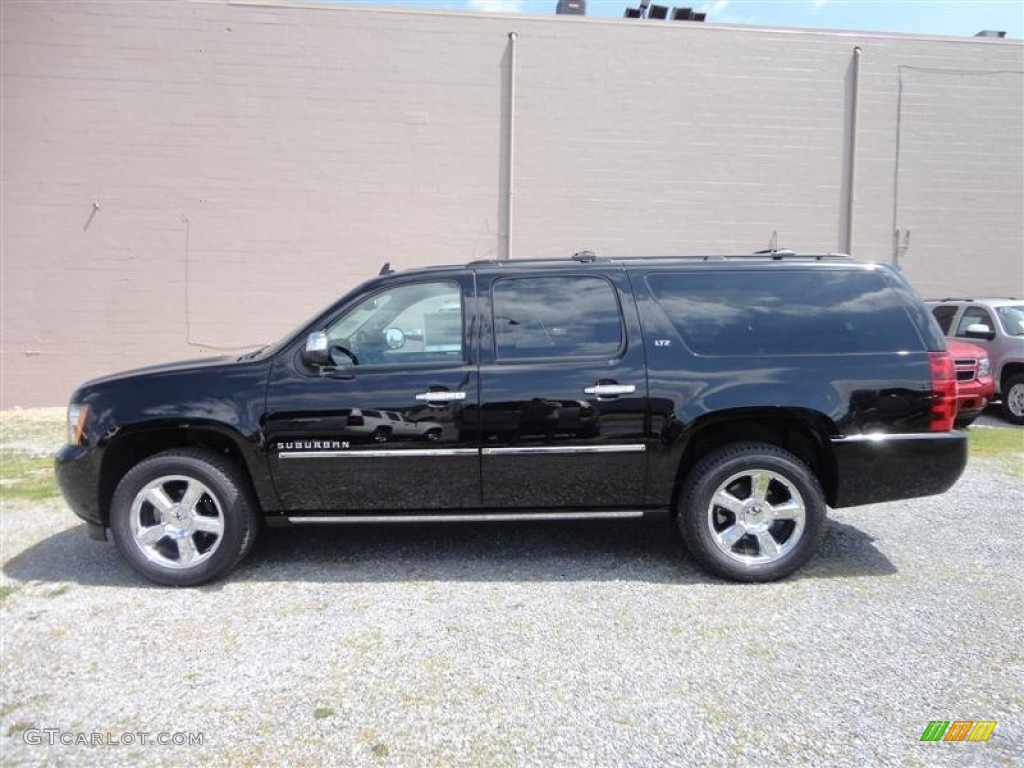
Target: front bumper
(877,468)
(78,476)
(972,396)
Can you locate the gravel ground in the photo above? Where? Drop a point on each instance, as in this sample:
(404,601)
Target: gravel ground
(993,417)
(553,644)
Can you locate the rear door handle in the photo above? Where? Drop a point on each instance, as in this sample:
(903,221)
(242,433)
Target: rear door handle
(610,390)
(441,397)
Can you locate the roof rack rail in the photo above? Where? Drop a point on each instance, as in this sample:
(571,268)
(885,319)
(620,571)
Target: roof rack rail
(589,257)
(971,298)
(775,252)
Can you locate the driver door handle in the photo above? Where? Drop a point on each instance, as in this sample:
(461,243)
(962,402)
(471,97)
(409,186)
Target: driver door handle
(441,397)
(610,390)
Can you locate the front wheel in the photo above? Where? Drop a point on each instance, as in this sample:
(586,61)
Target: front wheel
(751,512)
(1013,399)
(183,517)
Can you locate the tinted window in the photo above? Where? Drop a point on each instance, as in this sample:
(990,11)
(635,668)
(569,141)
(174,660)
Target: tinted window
(556,316)
(413,323)
(945,317)
(784,313)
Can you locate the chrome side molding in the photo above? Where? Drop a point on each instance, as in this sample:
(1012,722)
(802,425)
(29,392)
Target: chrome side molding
(409,453)
(545,449)
(469,518)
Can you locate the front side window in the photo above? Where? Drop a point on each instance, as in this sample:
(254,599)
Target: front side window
(555,316)
(407,324)
(974,316)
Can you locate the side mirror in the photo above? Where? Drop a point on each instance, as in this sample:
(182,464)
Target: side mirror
(979,331)
(394,338)
(314,354)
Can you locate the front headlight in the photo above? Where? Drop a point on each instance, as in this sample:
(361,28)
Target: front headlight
(77,415)
(984,367)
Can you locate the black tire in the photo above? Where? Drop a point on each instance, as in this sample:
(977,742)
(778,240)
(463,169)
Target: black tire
(380,435)
(433,435)
(734,468)
(963,422)
(1013,399)
(225,501)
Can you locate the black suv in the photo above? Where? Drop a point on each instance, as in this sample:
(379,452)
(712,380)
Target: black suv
(739,395)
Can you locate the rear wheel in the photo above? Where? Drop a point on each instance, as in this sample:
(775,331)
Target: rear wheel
(1013,399)
(751,512)
(183,517)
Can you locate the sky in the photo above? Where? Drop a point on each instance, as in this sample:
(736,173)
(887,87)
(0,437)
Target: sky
(933,17)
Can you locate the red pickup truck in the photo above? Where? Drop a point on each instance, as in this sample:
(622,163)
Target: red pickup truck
(975,384)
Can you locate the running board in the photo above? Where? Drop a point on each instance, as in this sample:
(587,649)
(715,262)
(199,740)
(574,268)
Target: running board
(483,517)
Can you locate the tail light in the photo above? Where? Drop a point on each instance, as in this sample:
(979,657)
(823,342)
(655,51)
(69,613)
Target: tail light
(943,408)
(354,420)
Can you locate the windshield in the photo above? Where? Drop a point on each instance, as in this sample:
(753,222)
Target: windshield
(1012,319)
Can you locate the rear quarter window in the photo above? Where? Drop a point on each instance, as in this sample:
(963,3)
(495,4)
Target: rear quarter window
(789,312)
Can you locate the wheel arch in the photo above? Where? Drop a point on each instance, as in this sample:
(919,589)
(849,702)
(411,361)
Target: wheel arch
(805,434)
(130,446)
(1013,368)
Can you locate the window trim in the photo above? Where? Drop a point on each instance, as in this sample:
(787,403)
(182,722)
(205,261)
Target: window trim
(623,335)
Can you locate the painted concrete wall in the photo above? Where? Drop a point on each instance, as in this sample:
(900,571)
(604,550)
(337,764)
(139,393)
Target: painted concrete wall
(251,162)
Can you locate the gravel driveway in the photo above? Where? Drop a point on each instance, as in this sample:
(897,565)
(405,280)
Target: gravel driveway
(547,644)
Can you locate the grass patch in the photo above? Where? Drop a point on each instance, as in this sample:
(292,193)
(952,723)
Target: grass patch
(26,476)
(6,591)
(1004,445)
(380,751)
(58,591)
(322,712)
(38,430)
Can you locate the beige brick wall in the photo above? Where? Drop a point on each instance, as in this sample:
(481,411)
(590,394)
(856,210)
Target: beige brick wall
(276,155)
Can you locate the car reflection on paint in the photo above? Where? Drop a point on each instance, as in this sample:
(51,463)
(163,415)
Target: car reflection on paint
(382,426)
(365,426)
(539,417)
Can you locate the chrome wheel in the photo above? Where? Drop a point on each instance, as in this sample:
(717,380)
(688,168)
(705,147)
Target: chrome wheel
(176,521)
(1015,400)
(756,516)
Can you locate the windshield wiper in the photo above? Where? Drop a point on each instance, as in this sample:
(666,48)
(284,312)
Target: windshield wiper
(251,355)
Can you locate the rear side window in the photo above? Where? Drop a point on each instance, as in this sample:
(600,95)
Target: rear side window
(555,316)
(945,317)
(785,313)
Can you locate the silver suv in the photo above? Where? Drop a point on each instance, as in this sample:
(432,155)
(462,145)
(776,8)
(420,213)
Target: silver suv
(997,325)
